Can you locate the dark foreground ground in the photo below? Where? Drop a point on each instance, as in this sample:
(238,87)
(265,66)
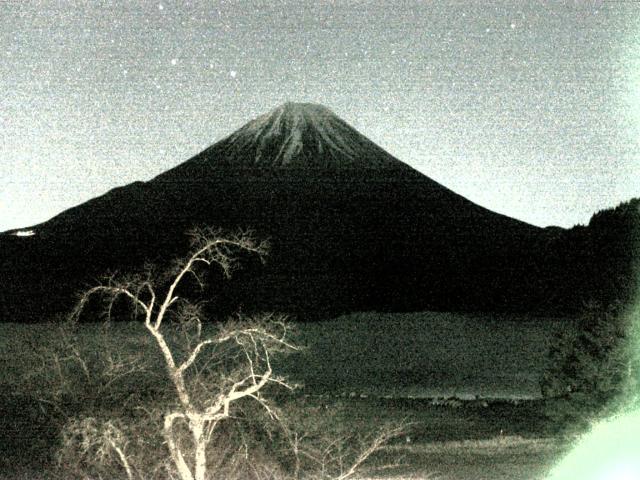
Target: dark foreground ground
(443,440)
(451,440)
(390,375)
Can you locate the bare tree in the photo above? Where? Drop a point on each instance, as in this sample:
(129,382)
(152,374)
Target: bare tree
(210,375)
(254,339)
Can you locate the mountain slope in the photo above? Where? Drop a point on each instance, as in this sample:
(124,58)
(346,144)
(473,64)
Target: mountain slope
(352,228)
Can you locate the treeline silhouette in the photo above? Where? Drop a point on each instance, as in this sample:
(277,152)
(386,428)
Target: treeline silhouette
(597,263)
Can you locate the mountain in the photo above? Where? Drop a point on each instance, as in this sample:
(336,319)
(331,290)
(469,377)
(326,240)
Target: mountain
(352,229)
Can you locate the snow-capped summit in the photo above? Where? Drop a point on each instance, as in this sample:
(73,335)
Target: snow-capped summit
(292,116)
(298,135)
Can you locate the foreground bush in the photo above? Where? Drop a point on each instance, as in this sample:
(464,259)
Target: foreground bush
(593,371)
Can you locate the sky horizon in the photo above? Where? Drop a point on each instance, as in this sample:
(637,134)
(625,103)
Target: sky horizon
(530,109)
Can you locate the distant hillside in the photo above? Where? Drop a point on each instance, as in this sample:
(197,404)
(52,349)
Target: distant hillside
(352,229)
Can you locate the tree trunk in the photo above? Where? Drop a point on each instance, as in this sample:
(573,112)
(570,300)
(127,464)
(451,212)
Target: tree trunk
(174,449)
(200,445)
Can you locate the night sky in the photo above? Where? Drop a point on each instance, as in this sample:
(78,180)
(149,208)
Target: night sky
(531,109)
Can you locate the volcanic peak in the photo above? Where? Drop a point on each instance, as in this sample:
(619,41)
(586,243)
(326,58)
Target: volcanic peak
(297,116)
(303,135)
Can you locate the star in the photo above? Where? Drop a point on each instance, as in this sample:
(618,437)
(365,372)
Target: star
(174,61)
(233,73)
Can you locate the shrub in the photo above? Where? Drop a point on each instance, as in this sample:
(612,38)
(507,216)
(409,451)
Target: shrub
(591,370)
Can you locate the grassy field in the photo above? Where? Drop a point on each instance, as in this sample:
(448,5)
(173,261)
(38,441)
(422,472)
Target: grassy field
(367,369)
(426,355)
